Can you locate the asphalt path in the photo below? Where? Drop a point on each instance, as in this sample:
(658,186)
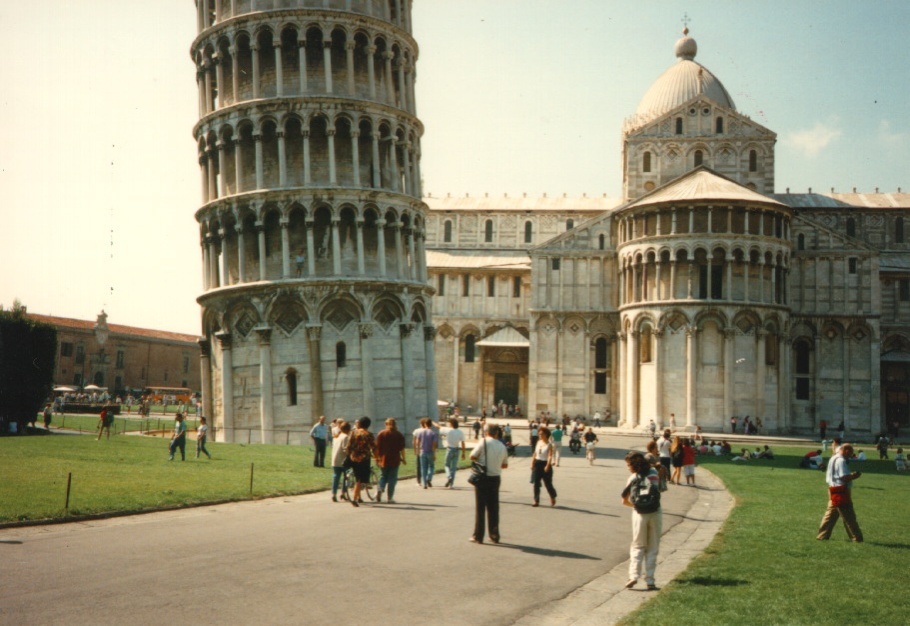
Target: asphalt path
(307,560)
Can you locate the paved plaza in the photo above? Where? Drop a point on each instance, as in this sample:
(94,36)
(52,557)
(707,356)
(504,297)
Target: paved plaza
(307,560)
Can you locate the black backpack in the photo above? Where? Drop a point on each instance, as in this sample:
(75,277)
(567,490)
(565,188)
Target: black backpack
(645,494)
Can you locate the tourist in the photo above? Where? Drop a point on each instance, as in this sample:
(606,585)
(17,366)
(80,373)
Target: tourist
(542,460)
(299,260)
(318,434)
(105,421)
(663,446)
(534,435)
(48,415)
(822,429)
(840,502)
(882,446)
(813,460)
(556,438)
(676,459)
(493,456)
(642,493)
(652,429)
(476,425)
(201,434)
(361,449)
(653,457)
(339,454)
(688,460)
(744,455)
(390,447)
(733,424)
(454,442)
(178,439)
(425,444)
(900,461)
(591,442)
(767,453)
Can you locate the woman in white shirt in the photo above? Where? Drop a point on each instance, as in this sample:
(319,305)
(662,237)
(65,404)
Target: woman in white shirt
(542,466)
(339,454)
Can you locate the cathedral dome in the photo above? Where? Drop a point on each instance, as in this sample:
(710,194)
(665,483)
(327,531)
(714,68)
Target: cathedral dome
(684,80)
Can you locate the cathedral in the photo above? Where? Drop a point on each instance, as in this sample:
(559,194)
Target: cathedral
(701,295)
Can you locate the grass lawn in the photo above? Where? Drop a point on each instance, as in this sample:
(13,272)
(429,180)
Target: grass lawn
(765,566)
(122,423)
(132,473)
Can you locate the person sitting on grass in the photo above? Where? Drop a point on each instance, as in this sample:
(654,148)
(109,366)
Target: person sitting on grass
(900,461)
(767,453)
(812,460)
(725,447)
(744,455)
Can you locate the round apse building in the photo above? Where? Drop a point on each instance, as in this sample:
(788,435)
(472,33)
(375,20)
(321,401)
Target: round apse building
(312,227)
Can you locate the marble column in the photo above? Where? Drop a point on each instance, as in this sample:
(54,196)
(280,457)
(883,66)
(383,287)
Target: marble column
(634,365)
(279,71)
(361,264)
(429,352)
(327,64)
(336,248)
(314,334)
(691,372)
(254,48)
(241,254)
(260,232)
(205,370)
(366,368)
(227,389)
(310,249)
(407,371)
(285,249)
(266,413)
(729,376)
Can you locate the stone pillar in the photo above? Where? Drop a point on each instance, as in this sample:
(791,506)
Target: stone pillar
(456,343)
(377,173)
(422,275)
(254,48)
(212,185)
(621,375)
(225,274)
(761,335)
(407,168)
(349,53)
(327,64)
(235,74)
(412,254)
(658,376)
(729,338)
(227,388)
(366,368)
(219,79)
(260,172)
(361,265)
(390,88)
(380,228)
(355,156)
(402,90)
(783,382)
(260,232)
(333,176)
(206,272)
(301,57)
(691,372)
(241,254)
(285,249)
(282,161)
(399,256)
(207,69)
(429,352)
(279,71)
(393,166)
(560,366)
(314,334)
(222,182)
(336,248)
(307,166)
(238,166)
(310,249)
(407,371)
(673,276)
(214,281)
(634,360)
(371,70)
(205,370)
(266,413)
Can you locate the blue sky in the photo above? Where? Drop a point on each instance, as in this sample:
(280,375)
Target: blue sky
(99,184)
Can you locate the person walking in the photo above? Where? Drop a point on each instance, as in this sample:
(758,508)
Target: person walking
(663,452)
(642,493)
(390,446)
(318,433)
(491,453)
(339,454)
(178,439)
(202,432)
(688,461)
(840,500)
(822,429)
(542,466)
(591,442)
(454,442)
(48,415)
(361,449)
(534,434)
(676,459)
(425,444)
(105,421)
(556,437)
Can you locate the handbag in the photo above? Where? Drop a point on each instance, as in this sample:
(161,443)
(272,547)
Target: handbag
(478,470)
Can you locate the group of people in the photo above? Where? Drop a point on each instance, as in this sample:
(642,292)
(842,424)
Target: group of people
(178,438)
(501,410)
(673,457)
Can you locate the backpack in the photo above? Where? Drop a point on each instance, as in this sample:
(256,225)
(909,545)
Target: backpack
(645,495)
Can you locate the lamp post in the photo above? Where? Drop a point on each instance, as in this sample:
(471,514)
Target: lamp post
(102,332)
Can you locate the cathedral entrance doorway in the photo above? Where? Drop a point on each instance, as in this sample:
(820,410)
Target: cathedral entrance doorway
(506,388)
(896,390)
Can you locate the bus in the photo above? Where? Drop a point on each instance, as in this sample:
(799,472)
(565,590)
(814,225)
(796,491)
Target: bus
(168,395)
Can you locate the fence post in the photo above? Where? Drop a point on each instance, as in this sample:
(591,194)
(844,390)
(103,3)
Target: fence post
(66,507)
(251,479)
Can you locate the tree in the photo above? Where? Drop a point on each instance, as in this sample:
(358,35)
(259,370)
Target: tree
(27,352)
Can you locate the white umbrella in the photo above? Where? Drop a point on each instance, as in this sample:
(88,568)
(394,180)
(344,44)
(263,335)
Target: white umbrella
(93,388)
(64,388)
(442,403)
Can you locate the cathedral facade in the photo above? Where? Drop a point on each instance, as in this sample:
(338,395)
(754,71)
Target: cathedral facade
(312,225)
(701,294)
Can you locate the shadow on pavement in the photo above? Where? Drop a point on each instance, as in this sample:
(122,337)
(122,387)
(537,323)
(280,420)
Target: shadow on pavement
(547,552)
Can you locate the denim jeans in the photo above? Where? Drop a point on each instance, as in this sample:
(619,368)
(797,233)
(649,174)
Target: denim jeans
(388,476)
(427,467)
(451,463)
(337,473)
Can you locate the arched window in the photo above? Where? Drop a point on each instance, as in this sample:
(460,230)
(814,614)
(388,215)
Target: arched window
(753,161)
(699,157)
(646,162)
(679,126)
(851,227)
(601,242)
(291,377)
(570,224)
(469,349)
(341,354)
(488,231)
(528,231)
(801,242)
(719,126)
(899,230)
(447,232)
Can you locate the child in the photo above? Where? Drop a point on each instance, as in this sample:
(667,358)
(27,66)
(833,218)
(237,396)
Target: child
(900,461)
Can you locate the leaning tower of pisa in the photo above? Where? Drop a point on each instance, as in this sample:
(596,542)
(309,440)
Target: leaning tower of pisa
(311,223)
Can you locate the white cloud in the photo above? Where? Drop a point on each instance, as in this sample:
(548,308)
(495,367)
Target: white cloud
(813,140)
(891,138)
